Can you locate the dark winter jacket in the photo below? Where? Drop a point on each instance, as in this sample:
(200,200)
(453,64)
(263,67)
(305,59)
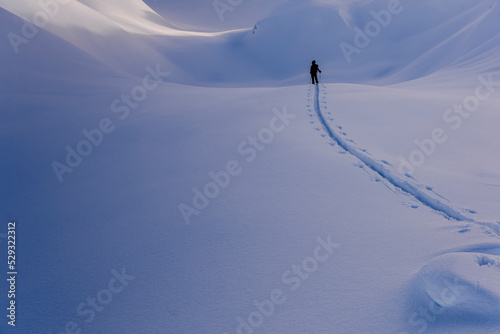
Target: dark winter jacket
(315,69)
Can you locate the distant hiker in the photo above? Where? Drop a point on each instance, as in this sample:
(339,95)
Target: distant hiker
(314,72)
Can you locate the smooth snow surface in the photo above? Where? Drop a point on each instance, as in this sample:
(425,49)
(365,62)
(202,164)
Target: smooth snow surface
(172,170)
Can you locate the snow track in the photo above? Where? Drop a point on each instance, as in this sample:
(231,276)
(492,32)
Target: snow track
(458,272)
(378,167)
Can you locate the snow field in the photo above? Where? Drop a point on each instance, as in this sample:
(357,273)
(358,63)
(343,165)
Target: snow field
(211,143)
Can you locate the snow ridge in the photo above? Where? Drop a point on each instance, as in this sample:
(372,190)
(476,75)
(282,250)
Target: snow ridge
(388,175)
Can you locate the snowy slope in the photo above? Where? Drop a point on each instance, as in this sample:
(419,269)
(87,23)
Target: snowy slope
(209,15)
(457,34)
(236,197)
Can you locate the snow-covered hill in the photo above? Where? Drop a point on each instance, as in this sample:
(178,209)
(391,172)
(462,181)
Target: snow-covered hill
(171,172)
(374,41)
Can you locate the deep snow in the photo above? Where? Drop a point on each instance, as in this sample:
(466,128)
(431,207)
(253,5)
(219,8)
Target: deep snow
(216,177)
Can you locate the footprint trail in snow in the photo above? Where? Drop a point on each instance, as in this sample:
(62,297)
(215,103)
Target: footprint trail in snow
(425,195)
(454,274)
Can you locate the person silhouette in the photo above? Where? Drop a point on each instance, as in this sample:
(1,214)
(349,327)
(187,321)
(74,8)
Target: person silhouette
(314,72)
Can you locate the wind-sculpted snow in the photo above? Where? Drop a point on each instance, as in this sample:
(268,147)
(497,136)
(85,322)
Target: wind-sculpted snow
(371,41)
(464,283)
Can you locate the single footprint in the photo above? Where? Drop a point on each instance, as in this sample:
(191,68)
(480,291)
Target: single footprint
(385,162)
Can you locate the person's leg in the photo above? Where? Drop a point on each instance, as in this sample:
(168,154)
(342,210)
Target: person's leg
(316,77)
(312,78)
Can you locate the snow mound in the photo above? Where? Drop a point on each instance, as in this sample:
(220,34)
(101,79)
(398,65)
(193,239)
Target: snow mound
(463,283)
